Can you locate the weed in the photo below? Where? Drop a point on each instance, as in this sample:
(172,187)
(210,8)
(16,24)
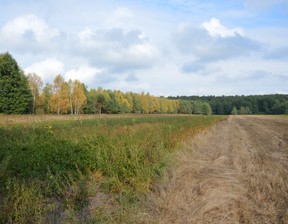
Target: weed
(23,203)
(125,154)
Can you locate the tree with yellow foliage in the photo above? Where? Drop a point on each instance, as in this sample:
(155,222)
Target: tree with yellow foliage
(154,104)
(144,101)
(59,101)
(123,102)
(78,96)
(170,106)
(129,98)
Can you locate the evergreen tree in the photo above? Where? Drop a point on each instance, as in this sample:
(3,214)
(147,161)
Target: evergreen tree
(111,105)
(15,94)
(100,99)
(255,104)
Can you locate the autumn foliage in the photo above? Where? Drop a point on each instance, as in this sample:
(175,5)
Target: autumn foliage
(24,94)
(72,97)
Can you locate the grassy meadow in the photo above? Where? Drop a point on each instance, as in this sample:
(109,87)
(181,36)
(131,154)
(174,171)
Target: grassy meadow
(71,171)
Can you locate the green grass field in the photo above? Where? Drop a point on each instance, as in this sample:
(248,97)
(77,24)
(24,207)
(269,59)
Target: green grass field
(52,168)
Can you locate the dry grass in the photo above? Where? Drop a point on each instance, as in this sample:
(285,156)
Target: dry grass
(29,118)
(127,154)
(237,173)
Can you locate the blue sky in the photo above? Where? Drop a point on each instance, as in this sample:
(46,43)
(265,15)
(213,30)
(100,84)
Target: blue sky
(172,47)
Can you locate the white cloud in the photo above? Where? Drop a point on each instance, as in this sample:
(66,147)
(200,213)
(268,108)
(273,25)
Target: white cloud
(122,12)
(20,25)
(28,33)
(280,53)
(119,17)
(85,35)
(116,49)
(46,69)
(125,86)
(85,74)
(130,44)
(216,29)
(145,50)
(211,42)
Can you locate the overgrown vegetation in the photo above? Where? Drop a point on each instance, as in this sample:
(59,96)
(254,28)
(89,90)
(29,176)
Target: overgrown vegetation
(49,170)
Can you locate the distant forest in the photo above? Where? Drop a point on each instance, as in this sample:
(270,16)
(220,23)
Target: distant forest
(254,104)
(21,93)
(24,94)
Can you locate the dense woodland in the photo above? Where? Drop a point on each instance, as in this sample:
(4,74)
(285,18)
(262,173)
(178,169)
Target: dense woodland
(21,93)
(257,104)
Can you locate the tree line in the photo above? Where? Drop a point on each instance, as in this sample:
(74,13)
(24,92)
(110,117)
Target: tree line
(254,104)
(20,93)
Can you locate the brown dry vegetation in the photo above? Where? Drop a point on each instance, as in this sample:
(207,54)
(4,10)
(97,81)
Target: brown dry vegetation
(28,118)
(237,172)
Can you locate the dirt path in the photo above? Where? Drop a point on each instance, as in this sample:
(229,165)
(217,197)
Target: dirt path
(237,172)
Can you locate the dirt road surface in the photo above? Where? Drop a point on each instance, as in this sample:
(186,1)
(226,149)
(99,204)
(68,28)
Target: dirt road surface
(236,172)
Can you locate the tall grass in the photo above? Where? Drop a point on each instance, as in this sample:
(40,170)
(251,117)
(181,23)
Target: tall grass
(57,156)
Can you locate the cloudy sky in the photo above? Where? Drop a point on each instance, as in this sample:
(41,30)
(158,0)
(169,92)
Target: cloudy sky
(164,47)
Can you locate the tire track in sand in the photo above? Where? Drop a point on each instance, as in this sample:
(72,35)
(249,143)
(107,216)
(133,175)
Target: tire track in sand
(237,172)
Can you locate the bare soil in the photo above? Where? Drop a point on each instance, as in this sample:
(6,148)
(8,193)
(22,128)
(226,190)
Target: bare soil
(236,172)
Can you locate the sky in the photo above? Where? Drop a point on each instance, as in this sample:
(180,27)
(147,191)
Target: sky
(166,48)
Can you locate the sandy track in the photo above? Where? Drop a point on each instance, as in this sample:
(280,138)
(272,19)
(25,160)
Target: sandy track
(237,172)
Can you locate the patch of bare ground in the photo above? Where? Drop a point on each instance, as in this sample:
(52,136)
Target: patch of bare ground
(236,172)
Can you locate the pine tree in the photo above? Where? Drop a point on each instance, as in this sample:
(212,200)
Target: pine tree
(15,95)
(111,106)
(100,99)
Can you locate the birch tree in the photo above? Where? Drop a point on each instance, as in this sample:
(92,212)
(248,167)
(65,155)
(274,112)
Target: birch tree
(78,96)
(35,84)
(59,102)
